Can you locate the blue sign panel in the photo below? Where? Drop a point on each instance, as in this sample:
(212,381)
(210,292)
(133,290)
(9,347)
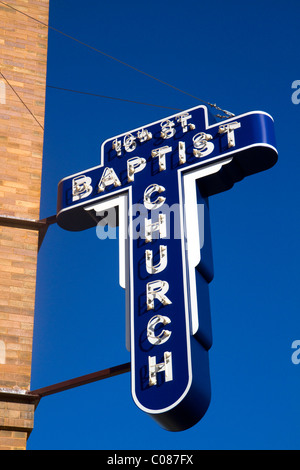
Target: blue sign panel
(154,182)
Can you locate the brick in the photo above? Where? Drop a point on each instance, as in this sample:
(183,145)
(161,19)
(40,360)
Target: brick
(24,60)
(9,442)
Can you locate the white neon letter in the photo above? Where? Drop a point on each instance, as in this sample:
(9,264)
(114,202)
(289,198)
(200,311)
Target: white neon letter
(157,290)
(183,120)
(144,135)
(81,187)
(167,129)
(116,145)
(129,143)
(134,165)
(202,146)
(158,201)
(182,154)
(159,226)
(108,178)
(163,336)
(165,366)
(229,130)
(163,261)
(161,154)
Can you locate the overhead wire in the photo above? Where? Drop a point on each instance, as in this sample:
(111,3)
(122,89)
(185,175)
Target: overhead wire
(112,97)
(99,96)
(19,97)
(213,105)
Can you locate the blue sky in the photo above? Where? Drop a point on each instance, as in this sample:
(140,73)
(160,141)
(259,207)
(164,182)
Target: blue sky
(244,57)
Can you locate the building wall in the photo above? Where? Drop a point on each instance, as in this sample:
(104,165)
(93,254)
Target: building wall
(23,46)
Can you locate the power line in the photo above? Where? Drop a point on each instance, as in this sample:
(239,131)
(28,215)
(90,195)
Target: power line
(112,97)
(108,97)
(4,78)
(213,105)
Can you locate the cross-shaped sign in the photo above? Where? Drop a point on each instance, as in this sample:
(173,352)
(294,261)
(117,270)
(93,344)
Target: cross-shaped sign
(154,182)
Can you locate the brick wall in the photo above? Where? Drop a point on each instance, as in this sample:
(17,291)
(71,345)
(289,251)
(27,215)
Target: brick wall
(23,60)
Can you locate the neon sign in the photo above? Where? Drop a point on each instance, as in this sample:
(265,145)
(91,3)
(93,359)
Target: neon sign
(155,181)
